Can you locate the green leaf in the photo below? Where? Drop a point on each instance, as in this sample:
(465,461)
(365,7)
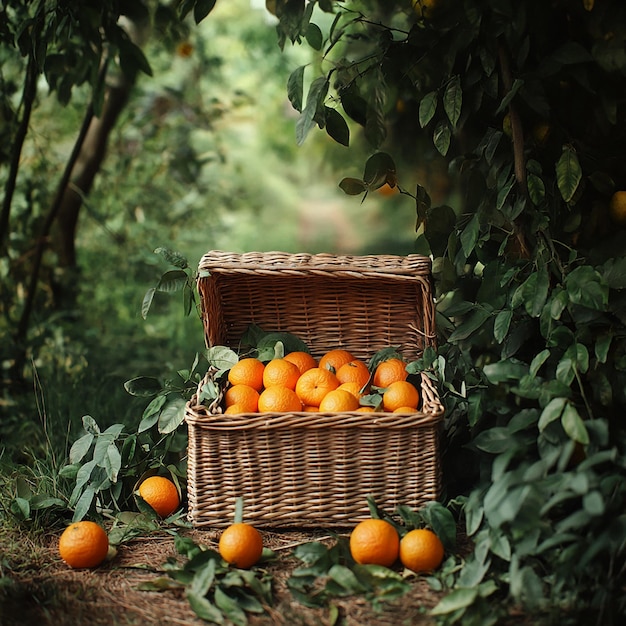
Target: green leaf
(518,83)
(352,186)
(80,448)
(336,127)
(143,386)
(614,273)
(172,281)
(602,346)
(203,608)
(222,357)
(506,370)
(151,413)
(90,425)
(441,137)
(452,100)
(229,607)
(172,416)
(84,504)
(536,189)
(457,599)
(147,302)
(295,88)
(346,579)
(315,99)
(172,257)
(379,168)
(568,173)
(584,286)
(470,325)
(469,236)
(427,108)
(202,8)
(551,412)
(501,324)
(493,441)
(573,425)
(538,361)
(314,36)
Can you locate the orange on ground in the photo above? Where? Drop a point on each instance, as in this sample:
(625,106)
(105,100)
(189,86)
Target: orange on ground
(353,388)
(83,544)
(161,494)
(338,400)
(374,541)
(335,359)
(247,371)
(400,393)
(353,372)
(421,550)
(282,373)
(279,399)
(303,360)
(388,372)
(241,545)
(244,396)
(314,384)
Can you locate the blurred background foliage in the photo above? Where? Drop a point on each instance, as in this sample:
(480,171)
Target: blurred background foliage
(203,156)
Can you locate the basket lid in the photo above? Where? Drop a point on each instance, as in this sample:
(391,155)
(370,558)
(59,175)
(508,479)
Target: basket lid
(360,303)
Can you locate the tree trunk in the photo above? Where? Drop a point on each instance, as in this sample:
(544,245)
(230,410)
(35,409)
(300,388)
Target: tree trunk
(92,153)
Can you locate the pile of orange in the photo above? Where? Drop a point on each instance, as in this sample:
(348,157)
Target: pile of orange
(335,383)
(377,542)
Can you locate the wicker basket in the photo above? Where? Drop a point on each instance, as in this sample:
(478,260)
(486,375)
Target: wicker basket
(314,469)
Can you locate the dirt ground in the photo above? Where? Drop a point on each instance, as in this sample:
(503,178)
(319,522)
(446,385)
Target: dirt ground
(45,591)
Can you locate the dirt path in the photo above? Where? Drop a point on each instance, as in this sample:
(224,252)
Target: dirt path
(44,591)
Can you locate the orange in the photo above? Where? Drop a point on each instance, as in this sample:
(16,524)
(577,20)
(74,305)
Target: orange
(311,409)
(335,359)
(247,372)
(388,372)
(314,384)
(353,388)
(161,494)
(400,393)
(279,399)
(353,372)
(366,409)
(83,544)
(374,541)
(338,400)
(246,397)
(282,373)
(421,550)
(404,409)
(303,360)
(617,207)
(235,409)
(241,545)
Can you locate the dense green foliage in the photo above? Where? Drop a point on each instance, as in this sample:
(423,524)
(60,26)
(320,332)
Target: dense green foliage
(525,102)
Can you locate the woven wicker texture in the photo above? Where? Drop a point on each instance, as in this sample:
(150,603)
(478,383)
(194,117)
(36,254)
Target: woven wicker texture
(314,469)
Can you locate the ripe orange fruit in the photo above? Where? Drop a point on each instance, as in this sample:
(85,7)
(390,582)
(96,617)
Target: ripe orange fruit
(282,373)
(374,541)
(400,393)
(365,409)
(314,384)
(421,550)
(617,208)
(388,372)
(404,409)
(335,359)
(241,545)
(338,400)
(246,397)
(303,360)
(353,388)
(311,409)
(235,409)
(161,494)
(83,544)
(353,372)
(279,399)
(247,372)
